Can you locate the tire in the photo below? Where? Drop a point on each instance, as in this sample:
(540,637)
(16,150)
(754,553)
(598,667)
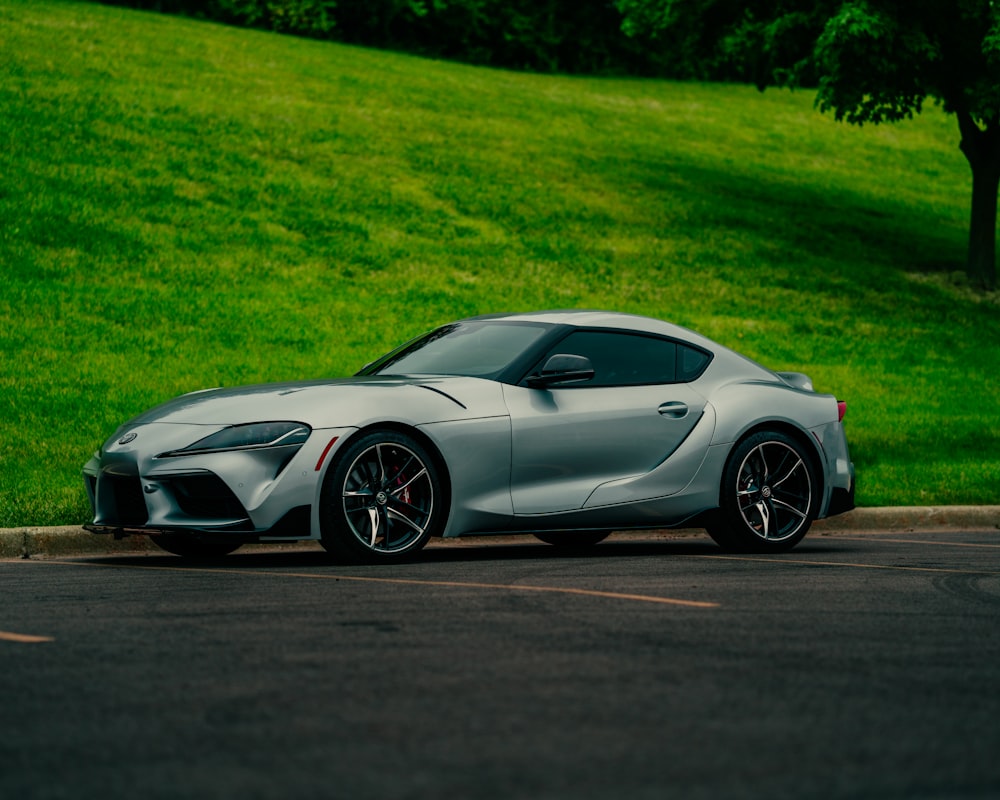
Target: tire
(572,539)
(180,544)
(769,495)
(381,500)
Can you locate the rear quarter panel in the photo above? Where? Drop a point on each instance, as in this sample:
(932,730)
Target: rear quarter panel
(742,406)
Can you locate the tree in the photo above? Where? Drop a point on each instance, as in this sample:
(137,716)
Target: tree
(871,61)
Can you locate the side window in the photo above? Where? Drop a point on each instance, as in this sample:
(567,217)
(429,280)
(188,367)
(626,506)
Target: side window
(690,363)
(622,359)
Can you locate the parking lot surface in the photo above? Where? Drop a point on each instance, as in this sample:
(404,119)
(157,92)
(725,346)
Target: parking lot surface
(858,665)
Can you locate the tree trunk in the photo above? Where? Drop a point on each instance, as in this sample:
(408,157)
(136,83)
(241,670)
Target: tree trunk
(982,149)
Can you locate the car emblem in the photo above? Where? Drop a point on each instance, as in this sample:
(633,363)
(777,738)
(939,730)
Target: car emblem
(128,437)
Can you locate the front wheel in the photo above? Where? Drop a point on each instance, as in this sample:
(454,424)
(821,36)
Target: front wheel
(769,495)
(381,500)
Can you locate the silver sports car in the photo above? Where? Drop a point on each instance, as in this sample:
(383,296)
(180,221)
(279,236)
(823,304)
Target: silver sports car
(563,424)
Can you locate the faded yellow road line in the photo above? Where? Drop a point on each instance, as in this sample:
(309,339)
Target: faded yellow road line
(7,636)
(642,598)
(639,598)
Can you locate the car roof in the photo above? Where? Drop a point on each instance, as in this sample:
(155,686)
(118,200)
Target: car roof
(588,318)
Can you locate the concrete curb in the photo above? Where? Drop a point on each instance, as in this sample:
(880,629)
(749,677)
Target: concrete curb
(913,518)
(74,540)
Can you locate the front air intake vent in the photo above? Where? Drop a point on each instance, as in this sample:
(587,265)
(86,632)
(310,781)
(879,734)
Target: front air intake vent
(129,503)
(206,497)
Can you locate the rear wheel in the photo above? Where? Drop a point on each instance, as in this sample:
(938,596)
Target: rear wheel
(573,538)
(769,495)
(191,547)
(382,499)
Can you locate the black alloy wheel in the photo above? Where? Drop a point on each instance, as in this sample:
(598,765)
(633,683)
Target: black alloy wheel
(769,495)
(382,499)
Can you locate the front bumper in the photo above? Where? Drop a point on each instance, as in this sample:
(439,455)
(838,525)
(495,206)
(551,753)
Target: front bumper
(233,494)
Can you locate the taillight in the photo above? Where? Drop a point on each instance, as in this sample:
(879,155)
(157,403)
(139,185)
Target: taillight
(841,410)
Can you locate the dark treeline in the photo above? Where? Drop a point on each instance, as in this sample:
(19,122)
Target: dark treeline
(569,36)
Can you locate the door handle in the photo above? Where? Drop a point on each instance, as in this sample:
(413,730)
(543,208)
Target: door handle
(674,409)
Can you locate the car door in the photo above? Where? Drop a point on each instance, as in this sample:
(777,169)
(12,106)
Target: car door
(568,440)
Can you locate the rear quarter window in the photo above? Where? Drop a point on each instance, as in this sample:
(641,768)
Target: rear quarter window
(690,363)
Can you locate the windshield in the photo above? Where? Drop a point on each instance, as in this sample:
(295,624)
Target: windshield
(481,349)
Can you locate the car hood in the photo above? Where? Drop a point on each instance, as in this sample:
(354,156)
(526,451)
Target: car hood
(335,403)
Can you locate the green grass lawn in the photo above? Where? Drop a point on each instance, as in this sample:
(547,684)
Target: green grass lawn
(185,205)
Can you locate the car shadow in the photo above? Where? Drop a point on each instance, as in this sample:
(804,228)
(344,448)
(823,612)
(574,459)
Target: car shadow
(479,549)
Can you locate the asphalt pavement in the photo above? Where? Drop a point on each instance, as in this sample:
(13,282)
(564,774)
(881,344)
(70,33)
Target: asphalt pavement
(860,666)
(29,542)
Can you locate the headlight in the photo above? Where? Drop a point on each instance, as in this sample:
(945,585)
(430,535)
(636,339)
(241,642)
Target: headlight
(255,436)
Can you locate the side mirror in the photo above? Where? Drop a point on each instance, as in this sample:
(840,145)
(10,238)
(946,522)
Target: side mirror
(562,368)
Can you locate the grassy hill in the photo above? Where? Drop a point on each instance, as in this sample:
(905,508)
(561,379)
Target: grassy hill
(185,205)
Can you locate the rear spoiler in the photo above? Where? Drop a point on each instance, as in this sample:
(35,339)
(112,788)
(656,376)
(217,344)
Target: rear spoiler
(797,380)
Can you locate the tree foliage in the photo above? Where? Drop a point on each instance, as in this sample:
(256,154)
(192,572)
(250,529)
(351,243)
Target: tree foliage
(303,17)
(871,61)
(541,35)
